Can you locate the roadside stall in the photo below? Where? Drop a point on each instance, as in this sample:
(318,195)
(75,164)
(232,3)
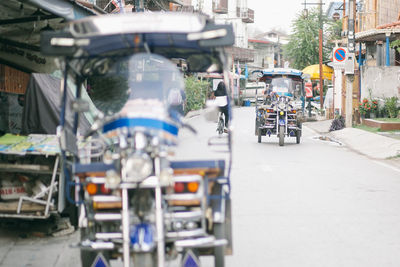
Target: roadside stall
(30,182)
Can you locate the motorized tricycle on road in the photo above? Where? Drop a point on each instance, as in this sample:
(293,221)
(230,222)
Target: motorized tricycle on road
(148,186)
(281,113)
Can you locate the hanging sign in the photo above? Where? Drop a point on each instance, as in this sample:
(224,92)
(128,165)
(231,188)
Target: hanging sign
(308,89)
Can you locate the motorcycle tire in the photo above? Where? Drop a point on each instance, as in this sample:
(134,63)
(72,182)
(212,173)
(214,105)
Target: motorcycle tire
(281,135)
(145,259)
(259,135)
(257,124)
(298,135)
(219,252)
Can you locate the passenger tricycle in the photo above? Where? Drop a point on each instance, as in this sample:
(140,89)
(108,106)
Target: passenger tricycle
(148,184)
(281,113)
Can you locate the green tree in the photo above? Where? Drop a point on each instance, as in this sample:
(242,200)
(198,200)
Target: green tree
(303,47)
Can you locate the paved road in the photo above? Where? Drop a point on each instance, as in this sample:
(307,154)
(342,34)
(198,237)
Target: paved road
(313,204)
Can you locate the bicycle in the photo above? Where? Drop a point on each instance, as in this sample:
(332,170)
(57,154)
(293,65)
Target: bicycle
(221,123)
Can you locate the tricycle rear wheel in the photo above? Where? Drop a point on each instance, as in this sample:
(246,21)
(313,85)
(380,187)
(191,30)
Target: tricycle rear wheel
(281,135)
(219,252)
(298,135)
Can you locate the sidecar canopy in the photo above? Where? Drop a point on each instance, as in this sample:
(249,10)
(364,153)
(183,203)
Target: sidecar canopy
(174,35)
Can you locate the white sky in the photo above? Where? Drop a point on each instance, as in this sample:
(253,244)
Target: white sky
(279,14)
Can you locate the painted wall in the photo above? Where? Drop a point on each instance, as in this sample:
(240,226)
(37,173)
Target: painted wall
(378,12)
(262,53)
(383,81)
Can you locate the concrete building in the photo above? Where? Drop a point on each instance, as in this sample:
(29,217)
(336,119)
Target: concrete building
(377,72)
(233,12)
(263,53)
(379,22)
(268,48)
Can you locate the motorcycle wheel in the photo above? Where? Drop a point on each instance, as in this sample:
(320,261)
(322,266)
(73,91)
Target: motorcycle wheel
(259,135)
(281,135)
(219,252)
(257,124)
(298,135)
(145,259)
(88,256)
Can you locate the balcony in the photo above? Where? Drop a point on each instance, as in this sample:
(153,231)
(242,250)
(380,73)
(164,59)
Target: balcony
(189,9)
(220,6)
(241,54)
(247,15)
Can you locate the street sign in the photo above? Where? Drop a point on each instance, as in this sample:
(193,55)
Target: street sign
(338,65)
(308,88)
(349,64)
(339,54)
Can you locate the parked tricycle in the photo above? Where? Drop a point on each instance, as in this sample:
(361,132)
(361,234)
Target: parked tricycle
(148,184)
(281,113)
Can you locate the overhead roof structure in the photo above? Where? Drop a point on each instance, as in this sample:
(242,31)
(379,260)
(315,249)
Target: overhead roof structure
(377,35)
(22,21)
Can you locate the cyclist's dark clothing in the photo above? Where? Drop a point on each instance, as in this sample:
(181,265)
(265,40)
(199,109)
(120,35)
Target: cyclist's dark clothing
(221,91)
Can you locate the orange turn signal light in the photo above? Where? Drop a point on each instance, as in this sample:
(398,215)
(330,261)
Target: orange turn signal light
(193,187)
(91,188)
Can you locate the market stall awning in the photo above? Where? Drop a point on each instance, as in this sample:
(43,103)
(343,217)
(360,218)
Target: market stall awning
(313,71)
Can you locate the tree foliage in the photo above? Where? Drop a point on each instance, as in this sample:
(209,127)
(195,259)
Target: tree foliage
(303,47)
(196,93)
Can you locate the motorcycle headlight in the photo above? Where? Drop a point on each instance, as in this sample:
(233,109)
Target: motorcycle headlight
(138,167)
(140,140)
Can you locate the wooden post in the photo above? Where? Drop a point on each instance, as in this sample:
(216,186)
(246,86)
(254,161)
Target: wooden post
(321,83)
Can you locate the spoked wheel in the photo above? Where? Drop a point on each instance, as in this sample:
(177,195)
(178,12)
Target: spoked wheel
(298,136)
(220,128)
(281,135)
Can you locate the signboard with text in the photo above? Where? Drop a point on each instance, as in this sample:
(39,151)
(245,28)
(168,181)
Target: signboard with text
(308,89)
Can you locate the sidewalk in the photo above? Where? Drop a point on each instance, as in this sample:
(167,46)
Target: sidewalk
(372,145)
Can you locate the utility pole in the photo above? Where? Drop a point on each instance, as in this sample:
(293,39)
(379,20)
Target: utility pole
(320,55)
(349,65)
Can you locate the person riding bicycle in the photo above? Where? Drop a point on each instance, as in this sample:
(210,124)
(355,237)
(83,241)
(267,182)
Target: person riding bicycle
(222,100)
